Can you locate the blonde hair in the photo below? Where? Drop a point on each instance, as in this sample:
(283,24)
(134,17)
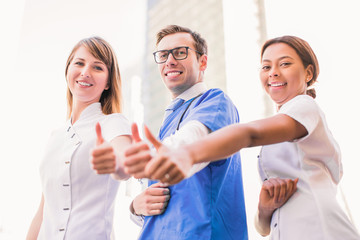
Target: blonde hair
(111,98)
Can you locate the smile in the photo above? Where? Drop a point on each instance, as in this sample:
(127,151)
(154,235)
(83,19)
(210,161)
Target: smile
(84,84)
(170,74)
(276,84)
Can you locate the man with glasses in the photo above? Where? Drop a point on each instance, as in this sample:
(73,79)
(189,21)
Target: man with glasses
(209,203)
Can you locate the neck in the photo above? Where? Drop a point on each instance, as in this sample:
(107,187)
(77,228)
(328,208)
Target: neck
(181,89)
(77,109)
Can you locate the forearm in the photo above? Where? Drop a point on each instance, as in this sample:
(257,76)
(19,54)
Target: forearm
(120,175)
(220,144)
(35,225)
(262,222)
(189,133)
(137,219)
(119,144)
(231,139)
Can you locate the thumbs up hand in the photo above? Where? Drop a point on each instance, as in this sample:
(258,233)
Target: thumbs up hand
(170,166)
(137,155)
(102,157)
(99,138)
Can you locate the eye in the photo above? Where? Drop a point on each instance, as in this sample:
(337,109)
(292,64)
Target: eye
(265,67)
(284,64)
(180,52)
(79,63)
(163,55)
(98,68)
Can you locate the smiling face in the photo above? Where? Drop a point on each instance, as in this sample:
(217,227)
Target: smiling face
(180,75)
(87,77)
(283,75)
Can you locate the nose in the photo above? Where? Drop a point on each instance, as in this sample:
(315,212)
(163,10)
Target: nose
(85,72)
(273,73)
(171,60)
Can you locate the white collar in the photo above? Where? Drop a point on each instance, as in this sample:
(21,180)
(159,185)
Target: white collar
(90,111)
(194,91)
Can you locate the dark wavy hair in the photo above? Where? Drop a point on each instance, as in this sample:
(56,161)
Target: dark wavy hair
(305,53)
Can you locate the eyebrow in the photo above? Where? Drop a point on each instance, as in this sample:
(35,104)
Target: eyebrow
(173,48)
(82,59)
(281,58)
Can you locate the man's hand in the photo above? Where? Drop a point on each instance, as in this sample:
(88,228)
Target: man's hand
(169,166)
(137,155)
(152,201)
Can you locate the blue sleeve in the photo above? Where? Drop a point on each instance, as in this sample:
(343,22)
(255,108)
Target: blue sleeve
(214,109)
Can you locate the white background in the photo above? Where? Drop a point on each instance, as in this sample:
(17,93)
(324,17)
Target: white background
(35,44)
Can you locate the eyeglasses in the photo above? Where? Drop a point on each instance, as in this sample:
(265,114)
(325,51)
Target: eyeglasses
(179,53)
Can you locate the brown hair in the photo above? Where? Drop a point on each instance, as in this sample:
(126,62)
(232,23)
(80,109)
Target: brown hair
(111,98)
(199,42)
(305,53)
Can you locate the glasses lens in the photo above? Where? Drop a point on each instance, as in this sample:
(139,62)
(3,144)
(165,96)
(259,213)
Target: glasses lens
(161,56)
(180,53)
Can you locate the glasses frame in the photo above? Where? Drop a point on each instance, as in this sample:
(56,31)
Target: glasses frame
(171,52)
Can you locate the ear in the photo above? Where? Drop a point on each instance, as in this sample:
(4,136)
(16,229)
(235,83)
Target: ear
(309,73)
(203,62)
(107,85)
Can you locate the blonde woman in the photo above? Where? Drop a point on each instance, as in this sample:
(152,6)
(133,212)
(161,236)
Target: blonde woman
(77,202)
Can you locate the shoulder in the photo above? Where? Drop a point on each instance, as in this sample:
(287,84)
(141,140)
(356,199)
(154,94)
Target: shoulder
(114,125)
(304,110)
(115,120)
(216,98)
(115,117)
(214,109)
(215,94)
(303,103)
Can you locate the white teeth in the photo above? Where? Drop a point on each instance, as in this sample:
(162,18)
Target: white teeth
(173,73)
(85,84)
(277,84)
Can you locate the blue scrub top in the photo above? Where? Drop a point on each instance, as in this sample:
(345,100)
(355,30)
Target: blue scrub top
(210,204)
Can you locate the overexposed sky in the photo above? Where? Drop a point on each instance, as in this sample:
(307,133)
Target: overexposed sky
(37,36)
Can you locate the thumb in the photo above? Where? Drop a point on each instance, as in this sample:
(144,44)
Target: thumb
(295,183)
(296,180)
(135,132)
(151,138)
(99,138)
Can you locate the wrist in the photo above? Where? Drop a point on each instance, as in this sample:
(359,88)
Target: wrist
(119,172)
(132,209)
(193,158)
(265,211)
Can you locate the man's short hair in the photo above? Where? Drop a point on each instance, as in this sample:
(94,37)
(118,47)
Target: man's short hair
(199,42)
